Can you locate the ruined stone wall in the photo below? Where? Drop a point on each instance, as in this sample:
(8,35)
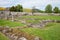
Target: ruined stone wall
(8,14)
(43,23)
(16,34)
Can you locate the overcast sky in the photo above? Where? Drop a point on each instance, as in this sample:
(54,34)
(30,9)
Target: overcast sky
(40,4)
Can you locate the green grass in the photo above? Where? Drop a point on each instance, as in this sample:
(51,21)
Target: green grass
(38,18)
(32,21)
(43,17)
(3,37)
(48,33)
(10,23)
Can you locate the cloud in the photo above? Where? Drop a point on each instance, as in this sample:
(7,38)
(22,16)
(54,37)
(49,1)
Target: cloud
(39,3)
(30,3)
(5,3)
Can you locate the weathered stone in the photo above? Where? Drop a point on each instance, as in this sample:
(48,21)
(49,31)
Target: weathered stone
(15,37)
(4,31)
(36,38)
(12,35)
(22,38)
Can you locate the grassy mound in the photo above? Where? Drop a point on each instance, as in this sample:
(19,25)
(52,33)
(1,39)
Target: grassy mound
(48,33)
(3,37)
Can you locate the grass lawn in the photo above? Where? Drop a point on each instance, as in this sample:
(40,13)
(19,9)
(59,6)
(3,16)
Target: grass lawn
(52,32)
(3,37)
(10,23)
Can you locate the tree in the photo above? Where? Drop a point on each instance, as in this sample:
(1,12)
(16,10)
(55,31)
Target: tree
(56,10)
(12,8)
(17,8)
(48,9)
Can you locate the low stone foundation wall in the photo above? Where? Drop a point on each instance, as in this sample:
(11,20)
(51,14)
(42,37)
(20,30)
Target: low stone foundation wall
(43,23)
(16,34)
(8,14)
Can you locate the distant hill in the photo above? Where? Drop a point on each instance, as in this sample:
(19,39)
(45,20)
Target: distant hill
(2,8)
(30,10)
(27,10)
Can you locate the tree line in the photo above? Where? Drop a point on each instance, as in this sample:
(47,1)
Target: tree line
(48,9)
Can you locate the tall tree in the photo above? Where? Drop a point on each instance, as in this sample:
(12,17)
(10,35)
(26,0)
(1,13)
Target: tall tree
(12,8)
(17,8)
(56,10)
(48,9)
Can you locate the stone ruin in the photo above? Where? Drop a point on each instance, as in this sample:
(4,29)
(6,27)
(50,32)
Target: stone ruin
(12,15)
(15,34)
(42,23)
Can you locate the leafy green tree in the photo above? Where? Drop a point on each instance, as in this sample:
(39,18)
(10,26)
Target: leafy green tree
(48,9)
(56,10)
(17,8)
(12,8)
